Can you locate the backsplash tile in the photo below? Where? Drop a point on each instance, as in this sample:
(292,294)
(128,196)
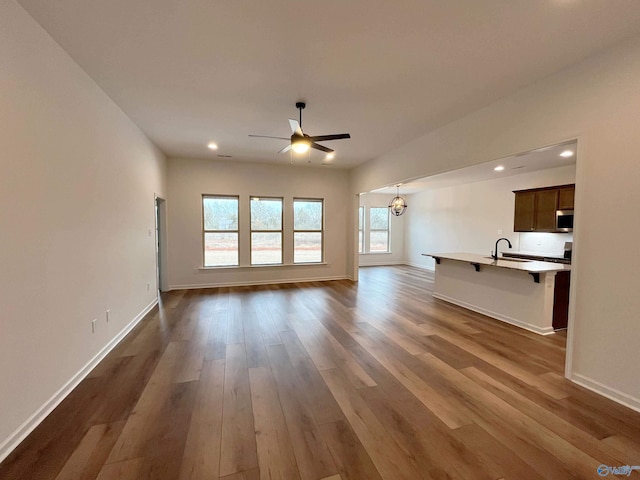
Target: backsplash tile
(545,243)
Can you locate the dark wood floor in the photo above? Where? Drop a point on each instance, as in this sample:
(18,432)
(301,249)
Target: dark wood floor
(331,380)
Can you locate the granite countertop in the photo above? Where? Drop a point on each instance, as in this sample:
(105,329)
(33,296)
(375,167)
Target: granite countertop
(530,266)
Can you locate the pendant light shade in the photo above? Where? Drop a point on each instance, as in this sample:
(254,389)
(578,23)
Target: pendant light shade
(397,204)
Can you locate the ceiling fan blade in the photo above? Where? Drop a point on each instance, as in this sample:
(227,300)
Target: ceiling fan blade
(267,136)
(285,149)
(322,148)
(324,138)
(295,127)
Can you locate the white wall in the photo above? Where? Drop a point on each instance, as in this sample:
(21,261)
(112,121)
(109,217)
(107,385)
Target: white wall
(597,102)
(76,203)
(190,178)
(396,232)
(467,218)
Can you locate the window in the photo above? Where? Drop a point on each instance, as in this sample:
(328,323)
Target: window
(266,230)
(220,230)
(308,230)
(378,229)
(360,229)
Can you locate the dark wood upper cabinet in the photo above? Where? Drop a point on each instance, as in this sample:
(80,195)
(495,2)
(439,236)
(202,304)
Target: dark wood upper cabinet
(546,206)
(524,219)
(566,197)
(535,209)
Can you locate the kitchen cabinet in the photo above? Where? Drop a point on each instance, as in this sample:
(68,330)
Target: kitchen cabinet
(524,219)
(566,197)
(535,209)
(545,210)
(561,300)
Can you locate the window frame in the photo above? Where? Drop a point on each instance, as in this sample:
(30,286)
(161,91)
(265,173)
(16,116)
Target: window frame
(252,231)
(321,231)
(205,231)
(388,230)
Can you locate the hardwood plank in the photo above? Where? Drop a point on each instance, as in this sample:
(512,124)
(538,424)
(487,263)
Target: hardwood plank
(486,406)
(276,458)
(327,352)
(163,454)
(385,453)
(559,426)
(253,474)
(195,350)
(253,339)
(218,333)
(431,399)
(201,458)
(308,380)
(494,454)
(88,459)
(238,447)
(311,451)
(125,470)
(625,445)
(311,334)
(137,433)
(350,456)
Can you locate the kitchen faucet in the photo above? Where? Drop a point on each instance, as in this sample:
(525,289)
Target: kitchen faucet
(495,253)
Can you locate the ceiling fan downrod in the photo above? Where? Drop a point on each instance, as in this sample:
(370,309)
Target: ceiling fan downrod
(300,106)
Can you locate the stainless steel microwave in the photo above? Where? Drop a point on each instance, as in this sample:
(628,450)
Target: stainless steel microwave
(564,220)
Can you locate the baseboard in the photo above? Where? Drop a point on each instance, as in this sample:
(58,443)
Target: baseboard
(260,282)
(9,444)
(382,263)
(420,265)
(608,392)
(497,316)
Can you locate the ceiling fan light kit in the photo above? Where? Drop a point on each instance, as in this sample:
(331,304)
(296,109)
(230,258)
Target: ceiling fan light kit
(300,145)
(300,142)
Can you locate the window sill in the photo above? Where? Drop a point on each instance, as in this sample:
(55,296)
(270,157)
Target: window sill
(276,265)
(376,253)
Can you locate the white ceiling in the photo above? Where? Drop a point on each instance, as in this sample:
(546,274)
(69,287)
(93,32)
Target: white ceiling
(189,71)
(539,159)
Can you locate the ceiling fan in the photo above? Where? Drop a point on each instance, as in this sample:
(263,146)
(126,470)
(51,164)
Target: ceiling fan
(300,141)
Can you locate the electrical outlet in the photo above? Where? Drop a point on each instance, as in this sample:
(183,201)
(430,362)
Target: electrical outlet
(148,287)
(107,315)
(93,325)
(499,231)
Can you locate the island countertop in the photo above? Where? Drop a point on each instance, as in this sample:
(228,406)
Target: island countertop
(530,266)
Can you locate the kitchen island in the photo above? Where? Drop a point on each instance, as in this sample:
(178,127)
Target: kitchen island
(520,292)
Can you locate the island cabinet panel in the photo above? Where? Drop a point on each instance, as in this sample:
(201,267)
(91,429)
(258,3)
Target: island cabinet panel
(535,209)
(566,197)
(561,300)
(524,220)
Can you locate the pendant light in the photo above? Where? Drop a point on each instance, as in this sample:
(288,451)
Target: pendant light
(397,204)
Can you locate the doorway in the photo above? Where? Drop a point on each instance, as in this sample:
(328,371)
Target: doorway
(161,244)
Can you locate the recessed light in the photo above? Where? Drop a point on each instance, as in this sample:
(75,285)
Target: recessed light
(212,146)
(330,156)
(567,154)
(499,168)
